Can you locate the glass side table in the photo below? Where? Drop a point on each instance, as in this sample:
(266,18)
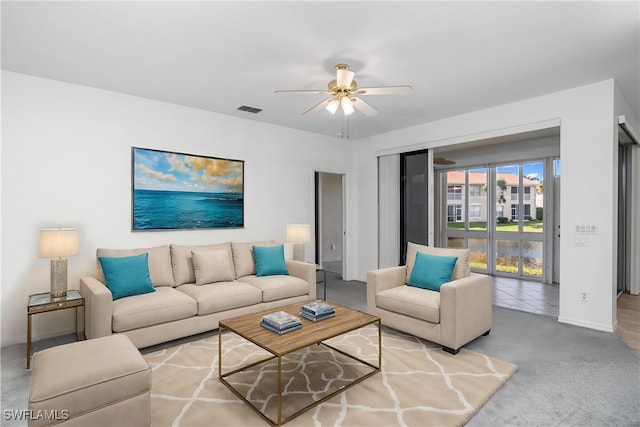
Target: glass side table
(42,303)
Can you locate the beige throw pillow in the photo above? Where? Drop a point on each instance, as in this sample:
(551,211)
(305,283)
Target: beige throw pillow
(462,268)
(183,264)
(212,265)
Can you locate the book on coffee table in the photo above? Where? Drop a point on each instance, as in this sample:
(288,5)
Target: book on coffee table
(281,320)
(315,318)
(317,308)
(278,330)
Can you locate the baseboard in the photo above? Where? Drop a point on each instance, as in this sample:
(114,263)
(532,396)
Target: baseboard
(590,325)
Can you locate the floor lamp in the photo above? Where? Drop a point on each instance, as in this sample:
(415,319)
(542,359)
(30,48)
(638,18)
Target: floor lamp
(298,234)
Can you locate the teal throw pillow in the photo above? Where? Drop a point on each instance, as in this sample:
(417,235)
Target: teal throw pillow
(270,260)
(127,276)
(431,272)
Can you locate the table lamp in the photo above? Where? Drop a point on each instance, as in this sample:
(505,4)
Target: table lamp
(57,243)
(298,234)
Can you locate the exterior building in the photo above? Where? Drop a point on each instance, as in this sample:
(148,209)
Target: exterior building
(507,199)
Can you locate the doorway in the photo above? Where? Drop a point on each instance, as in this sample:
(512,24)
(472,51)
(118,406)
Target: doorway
(329,223)
(625,188)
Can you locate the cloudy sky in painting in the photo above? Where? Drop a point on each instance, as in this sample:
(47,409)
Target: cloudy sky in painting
(159,170)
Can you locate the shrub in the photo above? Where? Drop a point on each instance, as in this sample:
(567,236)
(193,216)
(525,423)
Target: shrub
(503,219)
(539,212)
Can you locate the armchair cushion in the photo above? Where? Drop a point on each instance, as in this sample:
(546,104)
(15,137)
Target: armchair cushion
(410,301)
(431,272)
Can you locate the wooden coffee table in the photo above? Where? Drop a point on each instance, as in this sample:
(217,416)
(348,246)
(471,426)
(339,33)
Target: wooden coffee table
(248,327)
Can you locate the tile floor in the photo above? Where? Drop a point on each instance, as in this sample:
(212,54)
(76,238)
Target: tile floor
(533,297)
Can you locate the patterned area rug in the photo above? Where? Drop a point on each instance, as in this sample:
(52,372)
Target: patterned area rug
(419,385)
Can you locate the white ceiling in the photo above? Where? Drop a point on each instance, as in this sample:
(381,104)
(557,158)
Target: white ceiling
(458,56)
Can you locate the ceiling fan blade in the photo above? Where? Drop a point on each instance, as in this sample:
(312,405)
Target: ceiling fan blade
(344,77)
(384,90)
(318,106)
(316,91)
(442,161)
(366,109)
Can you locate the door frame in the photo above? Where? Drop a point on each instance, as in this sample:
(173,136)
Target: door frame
(319,235)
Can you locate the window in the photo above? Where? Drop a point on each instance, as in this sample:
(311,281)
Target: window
(475,211)
(454,192)
(514,194)
(527,193)
(514,212)
(454,213)
(475,191)
(499,211)
(527,212)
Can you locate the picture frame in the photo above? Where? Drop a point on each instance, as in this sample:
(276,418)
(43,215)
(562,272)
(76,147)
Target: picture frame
(179,191)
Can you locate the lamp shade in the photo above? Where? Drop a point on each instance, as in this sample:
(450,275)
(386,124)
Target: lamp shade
(332,106)
(298,233)
(347,107)
(59,242)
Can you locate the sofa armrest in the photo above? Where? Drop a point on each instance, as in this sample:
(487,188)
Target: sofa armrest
(382,279)
(305,271)
(466,309)
(98,307)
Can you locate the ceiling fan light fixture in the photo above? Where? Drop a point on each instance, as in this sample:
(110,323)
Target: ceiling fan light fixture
(347,106)
(332,106)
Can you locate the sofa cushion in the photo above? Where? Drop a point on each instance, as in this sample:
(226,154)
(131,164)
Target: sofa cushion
(431,272)
(213,265)
(278,287)
(243,261)
(461,270)
(221,296)
(159,263)
(127,276)
(182,262)
(270,260)
(164,305)
(419,303)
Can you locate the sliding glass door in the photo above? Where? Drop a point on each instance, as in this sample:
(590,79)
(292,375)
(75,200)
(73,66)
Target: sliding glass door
(497,212)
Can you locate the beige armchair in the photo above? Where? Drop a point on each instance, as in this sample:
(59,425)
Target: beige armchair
(460,312)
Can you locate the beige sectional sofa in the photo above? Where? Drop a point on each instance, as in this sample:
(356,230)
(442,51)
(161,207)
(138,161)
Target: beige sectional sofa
(460,312)
(195,287)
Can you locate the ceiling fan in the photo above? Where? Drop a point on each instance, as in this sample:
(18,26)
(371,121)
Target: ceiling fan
(343,90)
(442,161)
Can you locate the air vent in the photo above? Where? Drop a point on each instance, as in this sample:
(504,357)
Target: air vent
(252,110)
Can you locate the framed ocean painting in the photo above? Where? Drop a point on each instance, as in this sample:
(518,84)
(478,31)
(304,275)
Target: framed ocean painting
(177,191)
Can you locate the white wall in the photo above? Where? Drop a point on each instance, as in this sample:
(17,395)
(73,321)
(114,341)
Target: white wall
(586,117)
(66,161)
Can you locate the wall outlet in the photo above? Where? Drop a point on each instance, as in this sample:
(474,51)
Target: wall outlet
(584,296)
(333,247)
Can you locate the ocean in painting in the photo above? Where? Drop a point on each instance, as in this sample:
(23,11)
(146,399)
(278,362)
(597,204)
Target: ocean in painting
(168,210)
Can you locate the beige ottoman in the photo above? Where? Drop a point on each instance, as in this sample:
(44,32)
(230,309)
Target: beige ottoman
(99,382)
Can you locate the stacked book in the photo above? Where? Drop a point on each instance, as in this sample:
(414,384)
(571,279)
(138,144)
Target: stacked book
(281,322)
(317,311)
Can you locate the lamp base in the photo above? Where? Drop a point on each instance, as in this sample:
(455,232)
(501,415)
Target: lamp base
(58,277)
(298,252)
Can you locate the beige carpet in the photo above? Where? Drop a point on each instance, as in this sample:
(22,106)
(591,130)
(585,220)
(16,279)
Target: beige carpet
(419,385)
